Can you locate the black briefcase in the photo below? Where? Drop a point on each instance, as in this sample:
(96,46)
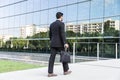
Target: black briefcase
(65,56)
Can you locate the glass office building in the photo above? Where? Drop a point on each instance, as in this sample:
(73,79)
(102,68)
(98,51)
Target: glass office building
(24,25)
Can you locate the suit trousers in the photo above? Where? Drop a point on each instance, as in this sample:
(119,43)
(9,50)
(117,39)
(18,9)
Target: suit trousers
(54,51)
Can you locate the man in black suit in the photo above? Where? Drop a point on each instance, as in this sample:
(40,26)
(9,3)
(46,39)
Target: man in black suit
(58,43)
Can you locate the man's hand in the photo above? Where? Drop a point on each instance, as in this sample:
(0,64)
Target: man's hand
(66,45)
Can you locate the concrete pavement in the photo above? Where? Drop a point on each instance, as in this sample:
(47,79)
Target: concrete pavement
(96,70)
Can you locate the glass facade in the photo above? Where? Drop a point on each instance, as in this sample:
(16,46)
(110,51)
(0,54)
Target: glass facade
(24,24)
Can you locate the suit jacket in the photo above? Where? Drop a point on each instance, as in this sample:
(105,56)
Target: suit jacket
(57,34)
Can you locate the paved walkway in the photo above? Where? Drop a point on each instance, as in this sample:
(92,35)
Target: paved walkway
(97,70)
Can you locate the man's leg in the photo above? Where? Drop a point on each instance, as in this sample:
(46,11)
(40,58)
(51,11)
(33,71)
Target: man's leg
(51,60)
(65,67)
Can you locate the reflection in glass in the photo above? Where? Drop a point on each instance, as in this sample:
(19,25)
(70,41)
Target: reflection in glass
(53,3)
(23,20)
(111,26)
(30,5)
(44,17)
(23,7)
(17,21)
(44,4)
(72,15)
(85,21)
(36,18)
(62,2)
(29,19)
(96,27)
(83,13)
(52,15)
(112,7)
(37,4)
(17,9)
(97,8)
(11,22)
